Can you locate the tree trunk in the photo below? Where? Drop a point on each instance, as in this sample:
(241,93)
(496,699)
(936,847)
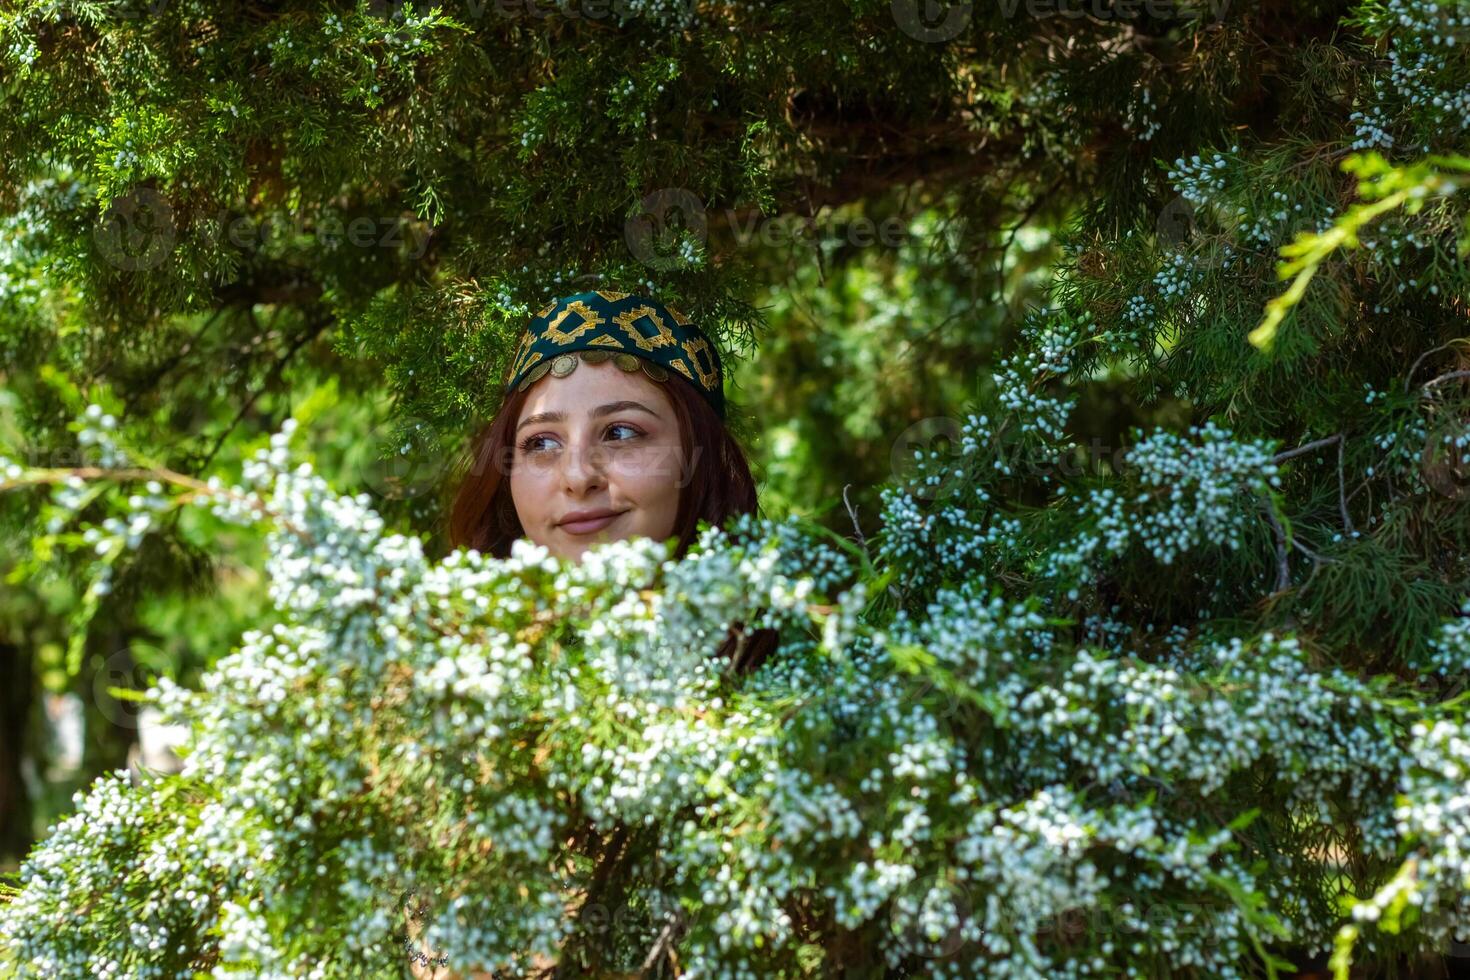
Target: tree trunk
(17,694)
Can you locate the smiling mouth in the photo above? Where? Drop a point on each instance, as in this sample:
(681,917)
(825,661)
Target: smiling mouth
(591,524)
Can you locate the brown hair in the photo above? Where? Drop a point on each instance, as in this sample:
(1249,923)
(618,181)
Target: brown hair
(719,486)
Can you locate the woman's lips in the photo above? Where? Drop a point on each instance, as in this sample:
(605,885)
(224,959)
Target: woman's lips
(591,525)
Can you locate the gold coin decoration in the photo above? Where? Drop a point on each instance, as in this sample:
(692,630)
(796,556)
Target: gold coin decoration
(655,371)
(536,374)
(563,365)
(626,361)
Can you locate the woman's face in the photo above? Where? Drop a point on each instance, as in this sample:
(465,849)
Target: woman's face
(601,443)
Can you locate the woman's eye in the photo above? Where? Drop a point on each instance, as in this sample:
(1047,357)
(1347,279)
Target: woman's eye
(634,433)
(538,444)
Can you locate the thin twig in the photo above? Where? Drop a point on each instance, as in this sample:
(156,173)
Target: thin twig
(158,374)
(1005,250)
(1283,565)
(1452,376)
(1286,454)
(852,512)
(737,658)
(1297,544)
(1424,393)
(196,488)
(662,943)
(1347,521)
(311,333)
(613,856)
(1409,378)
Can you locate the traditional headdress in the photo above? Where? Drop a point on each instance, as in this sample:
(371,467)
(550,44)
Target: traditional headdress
(632,331)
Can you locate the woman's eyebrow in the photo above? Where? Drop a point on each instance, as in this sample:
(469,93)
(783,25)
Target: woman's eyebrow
(610,408)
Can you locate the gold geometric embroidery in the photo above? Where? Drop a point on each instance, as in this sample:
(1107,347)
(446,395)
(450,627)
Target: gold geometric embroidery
(532,359)
(711,378)
(521,349)
(590,320)
(697,358)
(625,320)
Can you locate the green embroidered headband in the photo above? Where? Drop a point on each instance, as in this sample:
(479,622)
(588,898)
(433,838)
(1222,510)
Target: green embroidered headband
(632,331)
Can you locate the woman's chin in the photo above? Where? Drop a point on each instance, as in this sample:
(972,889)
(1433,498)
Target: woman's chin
(574,550)
(573,546)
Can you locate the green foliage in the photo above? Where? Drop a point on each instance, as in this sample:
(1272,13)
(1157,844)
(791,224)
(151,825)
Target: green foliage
(529,744)
(1153,608)
(1387,187)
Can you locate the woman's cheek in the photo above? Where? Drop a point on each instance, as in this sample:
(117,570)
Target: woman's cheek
(653,464)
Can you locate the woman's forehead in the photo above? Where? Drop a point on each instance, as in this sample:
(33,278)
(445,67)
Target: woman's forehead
(591,385)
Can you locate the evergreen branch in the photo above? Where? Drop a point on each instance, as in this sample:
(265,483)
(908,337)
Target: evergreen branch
(131,397)
(196,488)
(1393,187)
(1341,440)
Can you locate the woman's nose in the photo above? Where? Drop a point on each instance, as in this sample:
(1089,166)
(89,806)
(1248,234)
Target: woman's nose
(583,465)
